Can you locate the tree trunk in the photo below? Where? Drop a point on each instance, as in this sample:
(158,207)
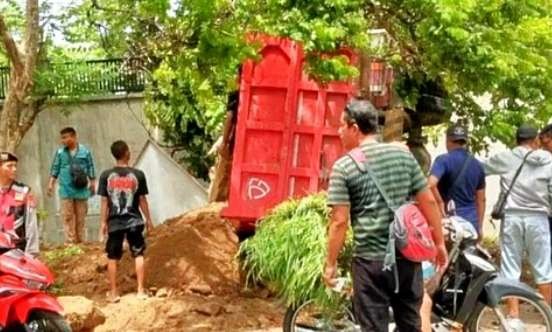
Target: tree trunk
(220,183)
(8,119)
(20,110)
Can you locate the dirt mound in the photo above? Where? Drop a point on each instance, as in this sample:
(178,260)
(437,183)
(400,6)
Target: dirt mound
(195,251)
(191,313)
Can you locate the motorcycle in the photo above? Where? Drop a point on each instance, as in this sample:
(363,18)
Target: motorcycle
(24,303)
(470,296)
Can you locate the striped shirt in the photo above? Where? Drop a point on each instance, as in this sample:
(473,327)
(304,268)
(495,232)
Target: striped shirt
(400,176)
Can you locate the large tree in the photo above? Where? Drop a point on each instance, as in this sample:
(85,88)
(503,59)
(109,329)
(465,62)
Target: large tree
(487,63)
(20,109)
(41,72)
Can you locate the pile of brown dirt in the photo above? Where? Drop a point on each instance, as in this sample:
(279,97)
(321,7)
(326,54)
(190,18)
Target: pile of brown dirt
(194,251)
(191,313)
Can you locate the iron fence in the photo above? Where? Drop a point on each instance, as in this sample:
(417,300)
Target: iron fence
(85,78)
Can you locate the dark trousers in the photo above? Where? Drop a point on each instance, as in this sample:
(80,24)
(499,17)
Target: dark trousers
(374,293)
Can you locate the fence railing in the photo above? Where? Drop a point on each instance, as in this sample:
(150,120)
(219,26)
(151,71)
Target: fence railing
(86,78)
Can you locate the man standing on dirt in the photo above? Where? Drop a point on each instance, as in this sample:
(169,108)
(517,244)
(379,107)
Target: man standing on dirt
(73,166)
(457,176)
(525,225)
(17,206)
(123,190)
(353,194)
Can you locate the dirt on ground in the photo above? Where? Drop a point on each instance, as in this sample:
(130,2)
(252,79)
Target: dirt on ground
(192,276)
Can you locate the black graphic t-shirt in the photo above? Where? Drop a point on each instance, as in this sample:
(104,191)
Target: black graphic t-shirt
(123,187)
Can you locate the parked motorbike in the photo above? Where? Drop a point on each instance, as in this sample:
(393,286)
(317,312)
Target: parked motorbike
(470,296)
(24,303)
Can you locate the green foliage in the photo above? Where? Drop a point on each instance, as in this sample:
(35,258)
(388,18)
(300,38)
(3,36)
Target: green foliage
(57,288)
(496,49)
(460,50)
(62,75)
(195,48)
(41,214)
(57,255)
(322,27)
(287,252)
(13,16)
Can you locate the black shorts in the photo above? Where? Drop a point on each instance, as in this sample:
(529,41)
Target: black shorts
(135,239)
(374,293)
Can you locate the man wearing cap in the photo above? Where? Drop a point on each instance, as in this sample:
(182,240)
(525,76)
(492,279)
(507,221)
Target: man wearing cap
(457,176)
(17,206)
(525,224)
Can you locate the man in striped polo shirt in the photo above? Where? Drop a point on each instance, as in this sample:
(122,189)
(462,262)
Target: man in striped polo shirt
(353,194)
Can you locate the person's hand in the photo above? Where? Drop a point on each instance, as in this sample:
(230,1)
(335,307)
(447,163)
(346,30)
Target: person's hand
(329,276)
(149,227)
(50,190)
(92,187)
(103,230)
(441,260)
(443,210)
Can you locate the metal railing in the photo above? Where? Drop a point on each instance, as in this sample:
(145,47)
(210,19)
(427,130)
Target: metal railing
(86,78)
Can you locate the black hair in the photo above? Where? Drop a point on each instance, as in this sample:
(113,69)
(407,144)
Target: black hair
(363,114)
(119,149)
(461,142)
(523,141)
(546,131)
(68,130)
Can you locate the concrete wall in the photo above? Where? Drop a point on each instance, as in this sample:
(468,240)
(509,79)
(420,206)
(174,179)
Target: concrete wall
(172,190)
(98,123)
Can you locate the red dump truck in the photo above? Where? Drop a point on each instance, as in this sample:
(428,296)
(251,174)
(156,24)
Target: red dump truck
(286,138)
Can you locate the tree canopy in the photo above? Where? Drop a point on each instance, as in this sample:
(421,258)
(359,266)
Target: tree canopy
(488,62)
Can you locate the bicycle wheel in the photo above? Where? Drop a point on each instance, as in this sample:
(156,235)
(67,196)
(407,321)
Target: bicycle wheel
(533,316)
(309,317)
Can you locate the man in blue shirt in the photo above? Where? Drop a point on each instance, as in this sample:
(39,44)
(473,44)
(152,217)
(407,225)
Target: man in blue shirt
(457,176)
(71,161)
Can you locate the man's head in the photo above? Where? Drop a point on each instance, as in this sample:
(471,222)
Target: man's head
(546,137)
(457,136)
(8,166)
(68,137)
(359,120)
(526,135)
(120,151)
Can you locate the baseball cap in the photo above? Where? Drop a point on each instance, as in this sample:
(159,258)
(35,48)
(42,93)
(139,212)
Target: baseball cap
(457,133)
(7,156)
(526,131)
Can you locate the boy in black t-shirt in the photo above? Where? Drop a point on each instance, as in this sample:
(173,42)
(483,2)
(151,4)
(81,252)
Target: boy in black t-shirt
(123,190)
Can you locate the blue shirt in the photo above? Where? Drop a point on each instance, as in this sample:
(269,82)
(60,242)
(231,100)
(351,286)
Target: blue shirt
(447,168)
(61,170)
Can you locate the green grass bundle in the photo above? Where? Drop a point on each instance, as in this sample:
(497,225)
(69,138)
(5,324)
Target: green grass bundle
(288,251)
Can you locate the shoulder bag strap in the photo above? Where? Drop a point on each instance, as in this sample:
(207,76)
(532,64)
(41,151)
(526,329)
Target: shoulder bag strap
(518,172)
(362,163)
(390,260)
(461,173)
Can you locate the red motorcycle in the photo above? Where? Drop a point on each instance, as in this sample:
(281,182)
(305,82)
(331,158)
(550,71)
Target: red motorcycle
(24,303)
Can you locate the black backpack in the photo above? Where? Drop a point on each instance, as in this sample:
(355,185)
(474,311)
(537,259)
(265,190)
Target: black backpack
(78,174)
